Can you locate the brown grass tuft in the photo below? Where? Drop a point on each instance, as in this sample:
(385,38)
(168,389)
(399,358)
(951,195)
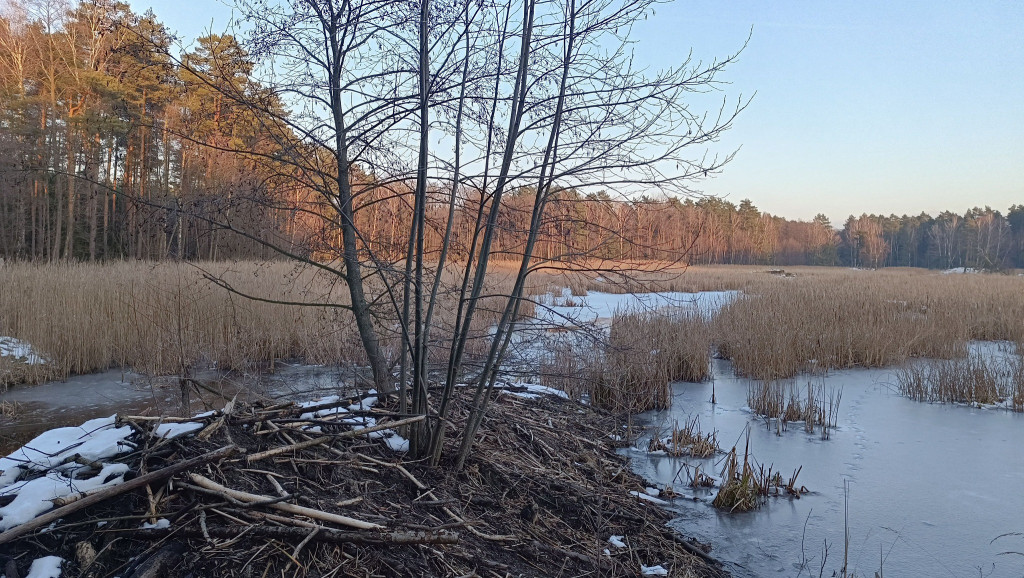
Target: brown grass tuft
(975,379)
(645,352)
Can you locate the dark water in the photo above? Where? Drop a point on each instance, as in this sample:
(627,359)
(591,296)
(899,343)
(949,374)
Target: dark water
(84,397)
(930,487)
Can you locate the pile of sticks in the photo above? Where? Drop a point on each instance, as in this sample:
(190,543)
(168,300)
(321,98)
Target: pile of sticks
(255,493)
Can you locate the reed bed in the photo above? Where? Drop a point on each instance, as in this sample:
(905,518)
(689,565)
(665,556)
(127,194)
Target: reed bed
(645,352)
(784,402)
(161,318)
(977,379)
(827,320)
(169,318)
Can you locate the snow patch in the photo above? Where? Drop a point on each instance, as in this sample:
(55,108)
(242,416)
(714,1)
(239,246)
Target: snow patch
(173,430)
(658,570)
(616,541)
(20,351)
(534,391)
(34,496)
(161,524)
(94,440)
(46,567)
(648,498)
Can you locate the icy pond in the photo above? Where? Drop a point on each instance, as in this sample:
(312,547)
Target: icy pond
(84,397)
(931,486)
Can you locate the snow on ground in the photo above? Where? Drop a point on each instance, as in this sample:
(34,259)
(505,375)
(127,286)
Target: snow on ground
(19,350)
(597,307)
(34,496)
(658,570)
(960,270)
(161,524)
(616,541)
(389,437)
(46,567)
(652,499)
(94,440)
(534,391)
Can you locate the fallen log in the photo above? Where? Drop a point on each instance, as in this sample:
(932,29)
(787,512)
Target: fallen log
(53,515)
(292,534)
(209,484)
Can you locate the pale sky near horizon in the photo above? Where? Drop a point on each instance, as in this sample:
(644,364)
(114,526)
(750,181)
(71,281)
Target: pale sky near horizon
(868,106)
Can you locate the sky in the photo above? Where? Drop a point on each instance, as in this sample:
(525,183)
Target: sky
(867,106)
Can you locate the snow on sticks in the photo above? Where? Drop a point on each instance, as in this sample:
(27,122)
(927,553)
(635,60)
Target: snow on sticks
(58,463)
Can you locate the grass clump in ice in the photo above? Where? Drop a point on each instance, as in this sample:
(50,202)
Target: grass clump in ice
(688,440)
(977,379)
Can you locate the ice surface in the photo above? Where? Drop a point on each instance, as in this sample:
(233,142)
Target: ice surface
(596,306)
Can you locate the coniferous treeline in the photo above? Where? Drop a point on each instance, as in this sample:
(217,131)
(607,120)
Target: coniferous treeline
(111,148)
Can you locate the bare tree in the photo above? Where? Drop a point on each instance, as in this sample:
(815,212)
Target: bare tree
(460,104)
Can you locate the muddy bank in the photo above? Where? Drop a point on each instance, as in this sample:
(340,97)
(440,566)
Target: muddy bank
(295,491)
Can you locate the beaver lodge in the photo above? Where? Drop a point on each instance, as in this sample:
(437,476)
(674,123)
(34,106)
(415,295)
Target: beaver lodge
(323,489)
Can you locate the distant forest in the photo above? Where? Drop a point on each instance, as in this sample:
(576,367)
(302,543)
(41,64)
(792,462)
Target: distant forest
(112,148)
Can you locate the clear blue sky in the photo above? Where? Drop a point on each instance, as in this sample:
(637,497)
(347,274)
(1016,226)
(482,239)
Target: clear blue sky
(866,106)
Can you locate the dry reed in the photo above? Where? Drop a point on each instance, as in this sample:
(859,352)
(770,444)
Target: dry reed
(830,319)
(818,408)
(748,485)
(646,351)
(976,379)
(688,440)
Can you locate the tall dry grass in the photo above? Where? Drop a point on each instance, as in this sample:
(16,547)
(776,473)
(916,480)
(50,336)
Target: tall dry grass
(836,319)
(167,318)
(784,402)
(645,352)
(975,379)
(159,318)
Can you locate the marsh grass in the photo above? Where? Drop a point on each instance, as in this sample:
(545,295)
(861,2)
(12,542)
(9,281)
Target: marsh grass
(645,352)
(814,406)
(831,318)
(157,318)
(977,379)
(744,486)
(9,408)
(747,486)
(688,440)
(167,318)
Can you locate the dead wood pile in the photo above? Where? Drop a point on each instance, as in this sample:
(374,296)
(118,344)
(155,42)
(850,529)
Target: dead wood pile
(255,493)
